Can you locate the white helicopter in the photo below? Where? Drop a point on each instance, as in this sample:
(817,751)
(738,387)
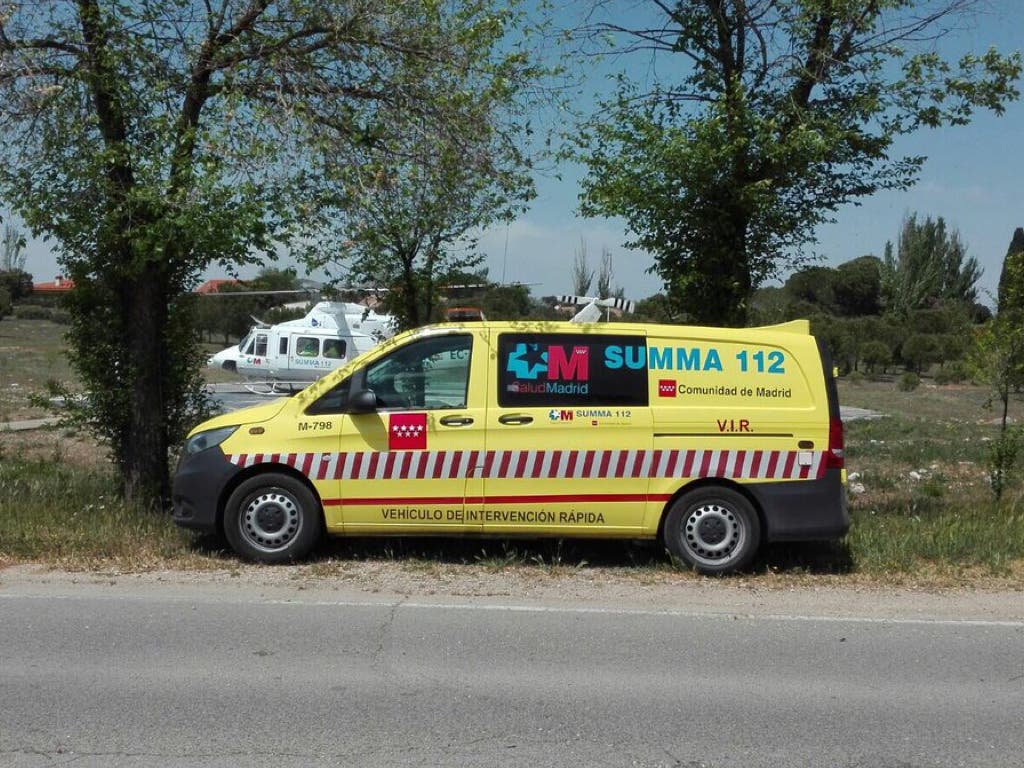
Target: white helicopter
(282,357)
(278,359)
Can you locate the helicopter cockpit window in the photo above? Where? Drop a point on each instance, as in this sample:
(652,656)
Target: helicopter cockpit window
(247,343)
(307,346)
(428,374)
(261,345)
(334,349)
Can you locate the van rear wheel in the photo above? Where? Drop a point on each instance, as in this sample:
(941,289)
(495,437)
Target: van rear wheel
(713,530)
(273,518)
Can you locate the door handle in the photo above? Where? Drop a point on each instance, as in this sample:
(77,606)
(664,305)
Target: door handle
(456,421)
(515,418)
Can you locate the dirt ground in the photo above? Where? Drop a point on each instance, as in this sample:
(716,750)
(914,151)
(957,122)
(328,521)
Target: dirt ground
(53,444)
(386,582)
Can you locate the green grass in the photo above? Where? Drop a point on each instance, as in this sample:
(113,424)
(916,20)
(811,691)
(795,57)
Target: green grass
(58,505)
(944,535)
(65,515)
(947,520)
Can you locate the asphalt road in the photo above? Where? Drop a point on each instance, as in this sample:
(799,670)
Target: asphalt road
(178,675)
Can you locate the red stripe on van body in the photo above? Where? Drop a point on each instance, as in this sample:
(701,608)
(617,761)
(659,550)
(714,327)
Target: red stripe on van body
(506,459)
(519,499)
(588,463)
(554,464)
(371,469)
(556,460)
(570,465)
(538,463)
(524,456)
(737,465)
(723,464)
(755,463)
(790,463)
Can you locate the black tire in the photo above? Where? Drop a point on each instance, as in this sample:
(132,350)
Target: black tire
(713,530)
(273,518)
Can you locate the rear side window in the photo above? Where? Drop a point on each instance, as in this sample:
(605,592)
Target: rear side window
(571,369)
(334,348)
(307,346)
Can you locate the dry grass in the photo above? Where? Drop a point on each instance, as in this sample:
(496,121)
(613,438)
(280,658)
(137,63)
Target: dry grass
(32,353)
(940,529)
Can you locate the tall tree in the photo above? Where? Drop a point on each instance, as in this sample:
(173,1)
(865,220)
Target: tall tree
(784,111)
(858,286)
(582,273)
(150,139)
(408,207)
(605,274)
(12,250)
(928,264)
(1011,292)
(997,361)
(15,282)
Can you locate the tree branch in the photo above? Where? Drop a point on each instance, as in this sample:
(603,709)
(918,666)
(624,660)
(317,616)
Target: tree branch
(101,78)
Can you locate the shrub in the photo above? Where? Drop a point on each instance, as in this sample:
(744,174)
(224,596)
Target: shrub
(908,382)
(875,353)
(1002,458)
(919,350)
(17,283)
(856,378)
(32,312)
(5,303)
(953,373)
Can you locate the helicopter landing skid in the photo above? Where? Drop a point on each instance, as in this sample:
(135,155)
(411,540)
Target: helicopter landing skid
(274,388)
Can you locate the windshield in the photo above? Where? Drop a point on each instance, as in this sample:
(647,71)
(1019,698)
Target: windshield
(246,341)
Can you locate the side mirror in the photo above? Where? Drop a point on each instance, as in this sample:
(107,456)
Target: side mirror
(363,401)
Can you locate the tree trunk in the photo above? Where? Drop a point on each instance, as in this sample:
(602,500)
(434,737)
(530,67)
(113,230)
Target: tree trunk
(144,301)
(732,271)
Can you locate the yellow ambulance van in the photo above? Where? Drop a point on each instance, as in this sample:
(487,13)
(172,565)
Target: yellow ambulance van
(712,440)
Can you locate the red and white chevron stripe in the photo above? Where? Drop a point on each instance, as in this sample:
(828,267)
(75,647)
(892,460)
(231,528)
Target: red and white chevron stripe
(551,465)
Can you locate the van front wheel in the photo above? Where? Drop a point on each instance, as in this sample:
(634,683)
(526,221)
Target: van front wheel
(273,518)
(713,530)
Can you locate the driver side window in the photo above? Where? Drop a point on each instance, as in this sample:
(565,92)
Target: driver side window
(428,374)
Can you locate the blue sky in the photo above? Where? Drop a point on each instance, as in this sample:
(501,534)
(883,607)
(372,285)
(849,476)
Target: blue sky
(974,178)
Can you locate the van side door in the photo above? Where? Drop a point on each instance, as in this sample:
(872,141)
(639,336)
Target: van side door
(404,463)
(569,438)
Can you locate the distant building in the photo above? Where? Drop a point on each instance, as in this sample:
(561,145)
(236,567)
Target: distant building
(60,286)
(214,286)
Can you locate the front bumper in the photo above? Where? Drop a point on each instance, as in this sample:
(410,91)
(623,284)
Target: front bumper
(198,487)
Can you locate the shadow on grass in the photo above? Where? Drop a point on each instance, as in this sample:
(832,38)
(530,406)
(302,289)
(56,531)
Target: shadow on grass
(808,557)
(814,557)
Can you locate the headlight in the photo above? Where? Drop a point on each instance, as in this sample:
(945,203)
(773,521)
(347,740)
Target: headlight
(208,439)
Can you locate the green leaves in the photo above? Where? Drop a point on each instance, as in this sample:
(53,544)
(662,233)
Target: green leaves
(153,138)
(929,264)
(404,209)
(772,120)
